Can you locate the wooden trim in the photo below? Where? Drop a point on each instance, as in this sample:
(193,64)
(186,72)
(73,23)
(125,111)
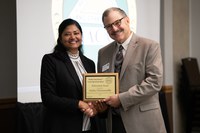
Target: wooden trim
(166,89)
(8,103)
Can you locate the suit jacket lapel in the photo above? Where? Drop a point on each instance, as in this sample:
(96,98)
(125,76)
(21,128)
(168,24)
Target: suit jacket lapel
(131,47)
(114,50)
(65,58)
(85,63)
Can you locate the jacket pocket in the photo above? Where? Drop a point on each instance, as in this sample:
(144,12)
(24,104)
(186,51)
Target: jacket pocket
(151,106)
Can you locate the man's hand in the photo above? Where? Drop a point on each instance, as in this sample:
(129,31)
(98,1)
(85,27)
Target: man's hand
(113,101)
(100,106)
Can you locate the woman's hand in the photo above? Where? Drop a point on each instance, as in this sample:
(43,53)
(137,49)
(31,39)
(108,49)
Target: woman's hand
(87,108)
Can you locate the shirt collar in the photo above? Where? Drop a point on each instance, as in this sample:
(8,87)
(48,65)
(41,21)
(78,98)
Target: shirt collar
(125,44)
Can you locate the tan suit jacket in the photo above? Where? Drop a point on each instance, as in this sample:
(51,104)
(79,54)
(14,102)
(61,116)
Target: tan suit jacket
(140,81)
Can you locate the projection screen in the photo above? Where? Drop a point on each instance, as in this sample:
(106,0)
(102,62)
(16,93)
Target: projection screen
(38,20)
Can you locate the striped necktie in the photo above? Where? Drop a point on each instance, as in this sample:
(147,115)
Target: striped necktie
(119,60)
(118,64)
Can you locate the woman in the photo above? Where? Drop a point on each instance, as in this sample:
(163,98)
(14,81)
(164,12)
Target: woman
(61,84)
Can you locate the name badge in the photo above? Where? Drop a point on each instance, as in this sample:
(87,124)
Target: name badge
(105,67)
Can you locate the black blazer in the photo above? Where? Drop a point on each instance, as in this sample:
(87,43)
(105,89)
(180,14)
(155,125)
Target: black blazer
(60,91)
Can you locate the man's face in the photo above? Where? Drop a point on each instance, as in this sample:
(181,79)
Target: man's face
(117,26)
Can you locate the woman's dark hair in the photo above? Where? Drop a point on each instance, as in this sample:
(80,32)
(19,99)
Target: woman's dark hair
(67,22)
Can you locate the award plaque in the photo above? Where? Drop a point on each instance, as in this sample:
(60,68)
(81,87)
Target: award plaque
(99,85)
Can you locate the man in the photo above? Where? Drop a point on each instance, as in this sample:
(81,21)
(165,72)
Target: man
(136,108)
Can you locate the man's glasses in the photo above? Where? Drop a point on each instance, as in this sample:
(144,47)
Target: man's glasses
(117,23)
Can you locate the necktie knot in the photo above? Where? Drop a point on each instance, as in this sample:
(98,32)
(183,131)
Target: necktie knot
(121,48)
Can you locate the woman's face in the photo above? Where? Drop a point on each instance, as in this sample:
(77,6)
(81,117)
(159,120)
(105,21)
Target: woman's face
(71,38)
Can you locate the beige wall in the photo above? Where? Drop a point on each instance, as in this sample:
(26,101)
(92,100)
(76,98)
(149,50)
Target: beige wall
(194,27)
(180,50)
(180,39)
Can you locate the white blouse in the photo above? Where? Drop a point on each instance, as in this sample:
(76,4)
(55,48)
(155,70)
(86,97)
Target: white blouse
(78,65)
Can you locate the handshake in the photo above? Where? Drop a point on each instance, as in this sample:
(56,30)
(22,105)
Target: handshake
(93,108)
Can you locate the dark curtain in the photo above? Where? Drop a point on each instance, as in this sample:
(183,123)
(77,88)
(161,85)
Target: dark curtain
(30,117)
